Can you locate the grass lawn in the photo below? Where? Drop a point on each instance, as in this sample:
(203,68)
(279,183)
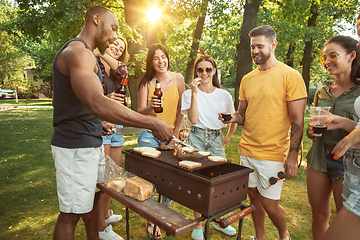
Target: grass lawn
(30,102)
(28,201)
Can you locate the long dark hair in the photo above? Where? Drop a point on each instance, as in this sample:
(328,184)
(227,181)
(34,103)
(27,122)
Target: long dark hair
(149,69)
(215,79)
(125,55)
(349,44)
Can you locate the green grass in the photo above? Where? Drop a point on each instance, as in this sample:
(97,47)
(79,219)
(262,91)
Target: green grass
(28,201)
(23,102)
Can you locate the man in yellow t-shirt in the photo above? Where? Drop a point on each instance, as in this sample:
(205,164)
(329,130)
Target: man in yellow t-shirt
(272,105)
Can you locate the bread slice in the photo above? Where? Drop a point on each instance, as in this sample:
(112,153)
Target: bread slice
(143,149)
(217,159)
(151,153)
(187,149)
(204,153)
(117,185)
(189,164)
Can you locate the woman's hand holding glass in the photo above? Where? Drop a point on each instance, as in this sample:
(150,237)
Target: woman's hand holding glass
(319,118)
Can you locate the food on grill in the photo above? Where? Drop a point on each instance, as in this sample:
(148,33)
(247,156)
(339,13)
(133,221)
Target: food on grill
(151,153)
(189,164)
(217,159)
(143,149)
(117,185)
(165,147)
(204,153)
(187,149)
(138,188)
(192,156)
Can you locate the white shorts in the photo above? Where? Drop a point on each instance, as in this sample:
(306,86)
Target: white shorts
(263,171)
(77,172)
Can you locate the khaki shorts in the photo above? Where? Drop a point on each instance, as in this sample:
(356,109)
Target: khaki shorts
(77,172)
(263,171)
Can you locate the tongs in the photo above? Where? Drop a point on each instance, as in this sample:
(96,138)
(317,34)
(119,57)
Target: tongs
(178,141)
(178,145)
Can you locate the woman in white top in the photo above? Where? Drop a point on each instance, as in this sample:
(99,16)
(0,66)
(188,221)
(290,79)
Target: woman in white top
(202,103)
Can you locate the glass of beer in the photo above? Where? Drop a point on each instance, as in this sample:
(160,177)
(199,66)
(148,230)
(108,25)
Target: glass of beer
(318,117)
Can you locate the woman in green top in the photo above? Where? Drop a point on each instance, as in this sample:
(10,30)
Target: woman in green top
(340,58)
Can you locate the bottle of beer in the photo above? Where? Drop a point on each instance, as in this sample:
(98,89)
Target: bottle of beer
(159,94)
(122,88)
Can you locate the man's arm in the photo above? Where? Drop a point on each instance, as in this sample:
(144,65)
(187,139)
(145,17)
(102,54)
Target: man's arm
(239,116)
(80,64)
(296,110)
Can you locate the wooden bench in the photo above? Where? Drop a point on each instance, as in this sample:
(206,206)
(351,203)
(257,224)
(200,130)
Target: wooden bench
(169,220)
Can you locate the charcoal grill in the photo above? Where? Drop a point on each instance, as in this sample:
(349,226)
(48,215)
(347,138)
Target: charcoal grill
(208,189)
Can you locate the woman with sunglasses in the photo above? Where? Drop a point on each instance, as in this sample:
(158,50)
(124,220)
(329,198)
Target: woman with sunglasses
(340,58)
(172,85)
(202,103)
(114,71)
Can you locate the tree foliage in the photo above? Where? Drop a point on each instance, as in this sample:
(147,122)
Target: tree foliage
(12,57)
(38,28)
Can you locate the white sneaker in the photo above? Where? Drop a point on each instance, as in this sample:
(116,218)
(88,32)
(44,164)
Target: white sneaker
(109,234)
(113,218)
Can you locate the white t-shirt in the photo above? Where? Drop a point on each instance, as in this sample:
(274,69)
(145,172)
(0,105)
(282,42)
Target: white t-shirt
(209,105)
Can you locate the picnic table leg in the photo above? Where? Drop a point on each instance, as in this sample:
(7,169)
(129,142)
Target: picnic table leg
(127,224)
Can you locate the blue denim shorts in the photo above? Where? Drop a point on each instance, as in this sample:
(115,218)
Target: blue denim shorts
(113,139)
(207,140)
(351,191)
(335,168)
(146,139)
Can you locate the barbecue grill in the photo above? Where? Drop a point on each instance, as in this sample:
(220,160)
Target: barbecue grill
(209,189)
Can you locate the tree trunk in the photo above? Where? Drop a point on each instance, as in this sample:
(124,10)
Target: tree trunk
(290,55)
(244,61)
(306,61)
(195,45)
(134,17)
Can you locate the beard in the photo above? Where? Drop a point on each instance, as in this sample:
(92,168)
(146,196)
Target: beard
(262,60)
(102,44)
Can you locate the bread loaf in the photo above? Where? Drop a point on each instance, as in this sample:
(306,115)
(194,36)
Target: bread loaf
(138,188)
(217,159)
(117,185)
(189,164)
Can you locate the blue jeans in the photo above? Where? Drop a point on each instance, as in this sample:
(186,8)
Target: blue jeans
(335,168)
(146,139)
(351,190)
(208,140)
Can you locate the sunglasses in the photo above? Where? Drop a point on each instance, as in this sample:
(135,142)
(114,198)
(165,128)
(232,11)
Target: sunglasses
(274,180)
(201,70)
(332,57)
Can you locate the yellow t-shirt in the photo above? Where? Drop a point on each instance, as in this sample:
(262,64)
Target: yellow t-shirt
(170,101)
(266,131)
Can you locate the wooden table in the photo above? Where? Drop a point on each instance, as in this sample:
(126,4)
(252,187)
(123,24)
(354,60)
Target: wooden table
(169,220)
